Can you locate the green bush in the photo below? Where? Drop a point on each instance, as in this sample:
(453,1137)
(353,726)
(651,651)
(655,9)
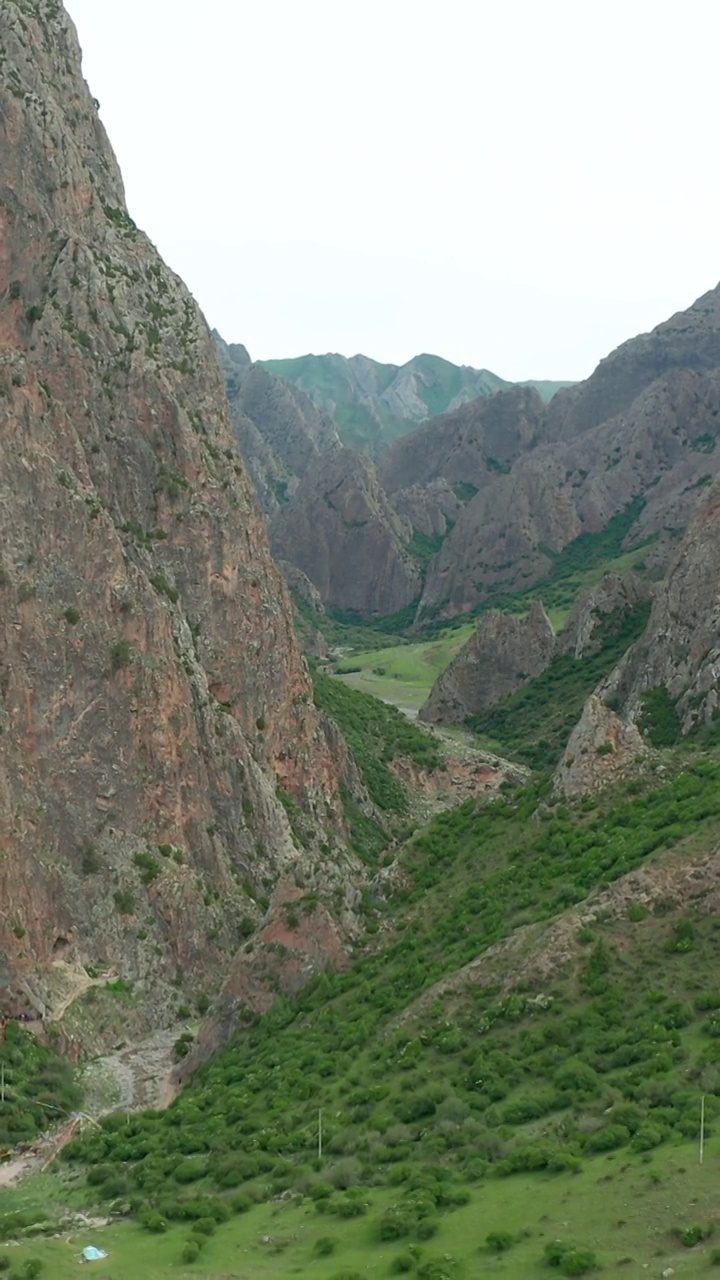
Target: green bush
(499,1241)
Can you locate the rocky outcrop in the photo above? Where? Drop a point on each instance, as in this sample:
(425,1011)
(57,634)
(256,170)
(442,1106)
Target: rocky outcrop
(506,650)
(680,648)
(502,655)
(280,431)
(154,706)
(581,635)
(341,531)
(602,748)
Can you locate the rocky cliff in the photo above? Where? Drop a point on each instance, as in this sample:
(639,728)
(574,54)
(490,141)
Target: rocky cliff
(341,531)
(156,716)
(506,651)
(639,436)
(679,652)
(281,433)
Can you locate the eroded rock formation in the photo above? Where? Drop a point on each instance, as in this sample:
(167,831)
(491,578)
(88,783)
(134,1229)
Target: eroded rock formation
(154,706)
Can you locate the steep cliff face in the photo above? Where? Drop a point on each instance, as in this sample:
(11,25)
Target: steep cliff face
(468,448)
(280,431)
(341,531)
(580,636)
(152,695)
(503,654)
(643,429)
(689,340)
(680,648)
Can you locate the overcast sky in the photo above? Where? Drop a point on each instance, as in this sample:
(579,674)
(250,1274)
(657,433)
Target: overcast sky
(513,184)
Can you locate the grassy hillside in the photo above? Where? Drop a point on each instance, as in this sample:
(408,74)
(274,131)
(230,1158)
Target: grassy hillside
(630,1209)
(404,673)
(39,1087)
(435,1098)
(377,734)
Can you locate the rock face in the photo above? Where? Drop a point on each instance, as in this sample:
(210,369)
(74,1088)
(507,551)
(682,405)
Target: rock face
(638,437)
(469,448)
(281,433)
(602,748)
(680,648)
(506,651)
(341,531)
(503,654)
(153,700)
(613,592)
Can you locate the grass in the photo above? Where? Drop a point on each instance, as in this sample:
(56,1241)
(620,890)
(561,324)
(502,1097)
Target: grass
(623,1207)
(403,674)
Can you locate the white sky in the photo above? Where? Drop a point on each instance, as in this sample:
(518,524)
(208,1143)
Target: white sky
(514,184)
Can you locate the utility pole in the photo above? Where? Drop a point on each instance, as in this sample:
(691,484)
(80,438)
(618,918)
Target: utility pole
(320,1135)
(702,1128)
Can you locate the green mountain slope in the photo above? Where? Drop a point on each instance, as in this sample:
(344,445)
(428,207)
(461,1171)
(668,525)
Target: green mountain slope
(434,1084)
(374,404)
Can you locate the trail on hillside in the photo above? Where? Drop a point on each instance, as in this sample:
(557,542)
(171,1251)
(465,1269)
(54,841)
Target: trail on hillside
(78,982)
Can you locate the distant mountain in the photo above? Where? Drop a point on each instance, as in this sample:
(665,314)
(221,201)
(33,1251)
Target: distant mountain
(637,439)
(281,433)
(374,404)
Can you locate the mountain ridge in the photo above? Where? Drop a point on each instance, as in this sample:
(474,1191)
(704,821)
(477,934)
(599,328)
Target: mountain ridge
(374,403)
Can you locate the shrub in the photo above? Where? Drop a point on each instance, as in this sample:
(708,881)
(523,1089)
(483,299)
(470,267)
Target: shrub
(499,1241)
(402,1264)
(569,1259)
(324,1246)
(154,1221)
(191,1252)
(690,1236)
(71,615)
(121,655)
(148,865)
(241,1202)
(204,1227)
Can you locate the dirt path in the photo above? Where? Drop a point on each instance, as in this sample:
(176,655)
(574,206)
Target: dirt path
(79,981)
